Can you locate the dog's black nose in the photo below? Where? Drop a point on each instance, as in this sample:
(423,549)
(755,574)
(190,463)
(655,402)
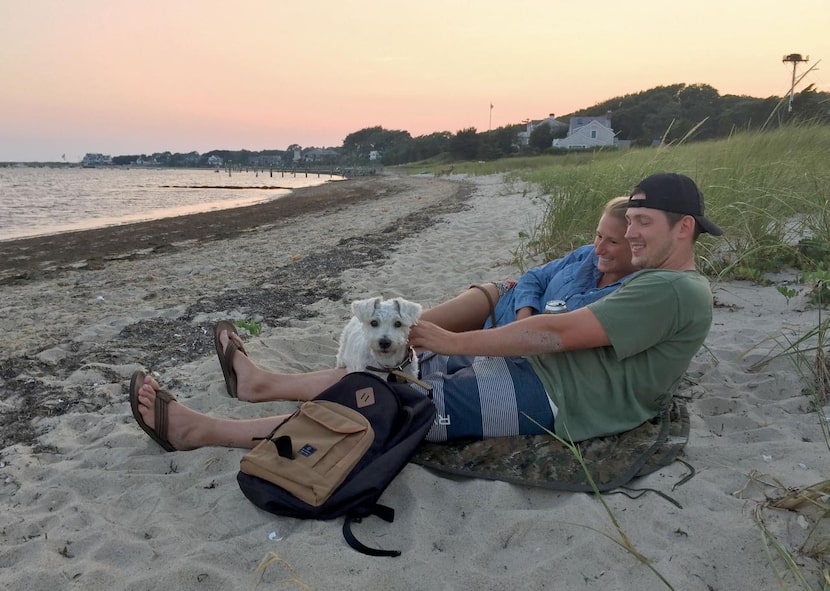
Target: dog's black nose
(384,343)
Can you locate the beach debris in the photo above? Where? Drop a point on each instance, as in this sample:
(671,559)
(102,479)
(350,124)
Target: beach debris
(275,537)
(803,466)
(100,298)
(766,457)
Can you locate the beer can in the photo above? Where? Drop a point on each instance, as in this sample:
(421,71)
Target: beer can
(556,307)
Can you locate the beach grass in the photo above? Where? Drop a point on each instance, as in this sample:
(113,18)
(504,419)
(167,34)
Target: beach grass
(768,190)
(284,574)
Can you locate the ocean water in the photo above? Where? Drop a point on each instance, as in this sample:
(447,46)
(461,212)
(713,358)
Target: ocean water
(37,201)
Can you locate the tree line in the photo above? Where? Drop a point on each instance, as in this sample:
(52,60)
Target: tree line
(692,112)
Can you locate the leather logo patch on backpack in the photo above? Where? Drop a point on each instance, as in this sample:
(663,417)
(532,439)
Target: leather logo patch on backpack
(364,397)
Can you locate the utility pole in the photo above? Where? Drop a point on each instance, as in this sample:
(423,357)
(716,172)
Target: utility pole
(795,59)
(490,123)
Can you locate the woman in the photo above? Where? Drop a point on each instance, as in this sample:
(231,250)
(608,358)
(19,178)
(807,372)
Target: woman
(579,278)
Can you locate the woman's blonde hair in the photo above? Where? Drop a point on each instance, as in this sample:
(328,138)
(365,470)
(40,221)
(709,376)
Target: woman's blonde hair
(617,207)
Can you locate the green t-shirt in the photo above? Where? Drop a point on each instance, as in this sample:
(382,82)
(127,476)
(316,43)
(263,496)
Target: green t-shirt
(656,322)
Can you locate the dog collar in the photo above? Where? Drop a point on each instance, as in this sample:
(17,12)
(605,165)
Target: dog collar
(400,376)
(410,355)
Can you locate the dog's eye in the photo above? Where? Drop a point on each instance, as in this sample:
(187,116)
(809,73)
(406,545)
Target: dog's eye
(374,324)
(398,324)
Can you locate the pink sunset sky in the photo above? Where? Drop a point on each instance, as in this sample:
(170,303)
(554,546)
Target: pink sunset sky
(141,77)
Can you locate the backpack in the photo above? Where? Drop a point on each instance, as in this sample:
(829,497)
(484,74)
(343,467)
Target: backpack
(338,452)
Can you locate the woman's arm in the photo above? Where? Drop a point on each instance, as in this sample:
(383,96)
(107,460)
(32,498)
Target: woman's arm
(531,287)
(544,333)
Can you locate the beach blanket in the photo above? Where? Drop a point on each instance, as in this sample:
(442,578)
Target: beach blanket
(543,461)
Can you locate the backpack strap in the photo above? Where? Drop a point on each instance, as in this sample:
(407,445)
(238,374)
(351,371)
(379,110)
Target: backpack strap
(382,511)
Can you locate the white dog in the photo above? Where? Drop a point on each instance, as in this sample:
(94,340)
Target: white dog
(376,337)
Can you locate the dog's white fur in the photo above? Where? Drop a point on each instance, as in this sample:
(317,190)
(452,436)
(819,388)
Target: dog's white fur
(377,335)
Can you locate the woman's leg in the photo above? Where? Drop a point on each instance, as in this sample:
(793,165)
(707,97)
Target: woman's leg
(466,311)
(254,384)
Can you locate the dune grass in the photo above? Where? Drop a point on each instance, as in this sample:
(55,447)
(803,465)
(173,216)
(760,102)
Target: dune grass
(769,191)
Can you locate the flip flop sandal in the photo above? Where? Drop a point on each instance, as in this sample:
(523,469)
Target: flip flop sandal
(226,355)
(163,399)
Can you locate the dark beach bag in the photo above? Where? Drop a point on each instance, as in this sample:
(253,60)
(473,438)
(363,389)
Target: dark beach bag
(337,453)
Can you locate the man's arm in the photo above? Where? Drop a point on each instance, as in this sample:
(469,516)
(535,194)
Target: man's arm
(543,333)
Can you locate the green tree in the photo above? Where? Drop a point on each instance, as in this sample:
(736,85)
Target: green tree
(811,105)
(360,144)
(429,146)
(464,145)
(541,138)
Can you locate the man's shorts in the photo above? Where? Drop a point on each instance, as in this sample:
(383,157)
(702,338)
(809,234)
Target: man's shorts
(485,397)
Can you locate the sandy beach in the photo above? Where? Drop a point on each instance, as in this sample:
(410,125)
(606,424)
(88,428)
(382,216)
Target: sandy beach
(88,501)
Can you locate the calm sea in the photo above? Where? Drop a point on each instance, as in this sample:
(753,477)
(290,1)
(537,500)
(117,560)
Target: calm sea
(35,201)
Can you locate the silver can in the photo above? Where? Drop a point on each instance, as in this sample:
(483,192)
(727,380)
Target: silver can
(556,307)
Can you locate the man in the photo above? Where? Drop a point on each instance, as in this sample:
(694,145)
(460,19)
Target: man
(595,371)
(612,365)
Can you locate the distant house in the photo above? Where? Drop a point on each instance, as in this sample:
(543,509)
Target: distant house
(374,155)
(320,155)
(550,121)
(91,159)
(265,160)
(214,160)
(590,132)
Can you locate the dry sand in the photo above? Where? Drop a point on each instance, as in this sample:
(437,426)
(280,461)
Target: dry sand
(88,501)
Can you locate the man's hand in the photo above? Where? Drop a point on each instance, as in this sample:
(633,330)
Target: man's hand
(426,336)
(525,312)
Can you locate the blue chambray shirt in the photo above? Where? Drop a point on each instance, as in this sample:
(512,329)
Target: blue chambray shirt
(572,278)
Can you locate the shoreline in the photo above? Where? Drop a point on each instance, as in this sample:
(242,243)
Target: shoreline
(26,258)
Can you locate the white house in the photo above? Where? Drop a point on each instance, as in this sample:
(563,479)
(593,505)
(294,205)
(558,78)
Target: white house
(92,159)
(587,132)
(214,160)
(550,120)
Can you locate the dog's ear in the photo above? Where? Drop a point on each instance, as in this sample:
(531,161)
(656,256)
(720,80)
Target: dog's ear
(364,309)
(409,311)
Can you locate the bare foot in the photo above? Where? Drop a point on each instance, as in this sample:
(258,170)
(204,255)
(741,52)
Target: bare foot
(182,422)
(242,366)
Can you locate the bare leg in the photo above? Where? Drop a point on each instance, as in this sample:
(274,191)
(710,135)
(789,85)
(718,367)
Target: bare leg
(254,384)
(188,429)
(468,310)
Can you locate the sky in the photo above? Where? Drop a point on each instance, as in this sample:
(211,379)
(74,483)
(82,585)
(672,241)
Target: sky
(120,77)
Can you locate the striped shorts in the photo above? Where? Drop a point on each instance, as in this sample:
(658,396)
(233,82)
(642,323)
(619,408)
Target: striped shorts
(485,397)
